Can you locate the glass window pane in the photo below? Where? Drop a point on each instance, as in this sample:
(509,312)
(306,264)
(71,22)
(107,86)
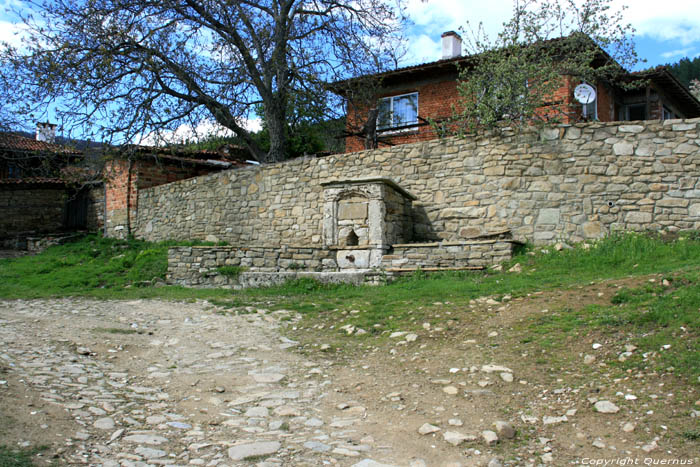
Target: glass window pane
(405,110)
(384,114)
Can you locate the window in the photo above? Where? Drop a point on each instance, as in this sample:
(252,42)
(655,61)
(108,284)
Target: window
(398,111)
(590,110)
(667,114)
(634,112)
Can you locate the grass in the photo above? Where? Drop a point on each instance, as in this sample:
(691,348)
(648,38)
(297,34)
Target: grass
(662,321)
(91,266)
(18,457)
(113,269)
(231,271)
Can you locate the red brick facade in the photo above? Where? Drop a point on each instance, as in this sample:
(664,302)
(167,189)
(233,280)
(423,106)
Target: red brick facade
(437,93)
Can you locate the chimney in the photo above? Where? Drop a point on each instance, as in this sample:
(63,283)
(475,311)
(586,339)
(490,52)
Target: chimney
(46,132)
(451,45)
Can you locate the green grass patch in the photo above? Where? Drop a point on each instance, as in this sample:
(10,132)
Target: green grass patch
(231,271)
(93,266)
(663,322)
(18,457)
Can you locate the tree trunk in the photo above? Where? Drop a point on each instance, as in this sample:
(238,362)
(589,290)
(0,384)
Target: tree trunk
(276,126)
(370,129)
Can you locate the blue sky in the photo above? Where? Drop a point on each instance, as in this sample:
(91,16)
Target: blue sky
(666,31)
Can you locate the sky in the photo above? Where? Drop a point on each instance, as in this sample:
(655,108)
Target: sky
(665,31)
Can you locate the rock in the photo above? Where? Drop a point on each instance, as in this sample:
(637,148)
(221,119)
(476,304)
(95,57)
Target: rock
(588,359)
(517,268)
(258,412)
(150,453)
(455,422)
(104,423)
(495,369)
(427,428)
(317,446)
(547,420)
(507,377)
(606,407)
(455,438)
(156,419)
(451,390)
(495,462)
(650,447)
(179,425)
(345,452)
(116,435)
(547,458)
(146,439)
(261,448)
(504,430)
(268,377)
(628,427)
(287,411)
(371,463)
(529,419)
(411,337)
(596,346)
(598,444)
(313,422)
(489,437)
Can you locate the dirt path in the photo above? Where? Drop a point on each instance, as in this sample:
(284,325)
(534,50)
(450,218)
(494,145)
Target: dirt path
(160,383)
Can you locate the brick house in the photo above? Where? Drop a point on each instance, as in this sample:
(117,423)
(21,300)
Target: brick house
(142,167)
(36,197)
(412,95)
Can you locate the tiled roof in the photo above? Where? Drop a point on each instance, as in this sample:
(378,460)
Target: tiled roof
(15,142)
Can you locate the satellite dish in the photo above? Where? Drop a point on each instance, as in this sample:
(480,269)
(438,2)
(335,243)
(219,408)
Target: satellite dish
(584,93)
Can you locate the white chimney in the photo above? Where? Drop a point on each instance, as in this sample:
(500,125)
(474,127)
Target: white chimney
(451,45)
(46,132)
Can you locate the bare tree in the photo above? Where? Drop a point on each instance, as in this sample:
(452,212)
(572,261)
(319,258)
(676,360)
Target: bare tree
(121,69)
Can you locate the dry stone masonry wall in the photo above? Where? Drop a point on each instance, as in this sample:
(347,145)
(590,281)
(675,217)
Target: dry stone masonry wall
(567,183)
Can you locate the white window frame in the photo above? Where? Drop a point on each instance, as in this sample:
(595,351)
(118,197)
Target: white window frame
(594,117)
(389,129)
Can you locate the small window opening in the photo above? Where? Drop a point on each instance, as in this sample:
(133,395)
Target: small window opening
(352,239)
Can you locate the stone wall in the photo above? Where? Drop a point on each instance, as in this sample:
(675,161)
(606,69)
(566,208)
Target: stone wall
(192,265)
(572,183)
(448,255)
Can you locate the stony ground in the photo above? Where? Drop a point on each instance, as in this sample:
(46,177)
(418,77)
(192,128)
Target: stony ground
(162,383)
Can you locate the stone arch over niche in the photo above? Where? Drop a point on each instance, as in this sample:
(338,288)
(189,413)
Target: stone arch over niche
(377,211)
(352,208)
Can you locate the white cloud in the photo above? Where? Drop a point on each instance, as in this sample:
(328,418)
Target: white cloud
(12,33)
(203,130)
(673,20)
(676,22)
(678,53)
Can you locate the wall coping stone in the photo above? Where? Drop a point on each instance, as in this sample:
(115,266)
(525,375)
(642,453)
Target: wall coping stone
(464,243)
(362,181)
